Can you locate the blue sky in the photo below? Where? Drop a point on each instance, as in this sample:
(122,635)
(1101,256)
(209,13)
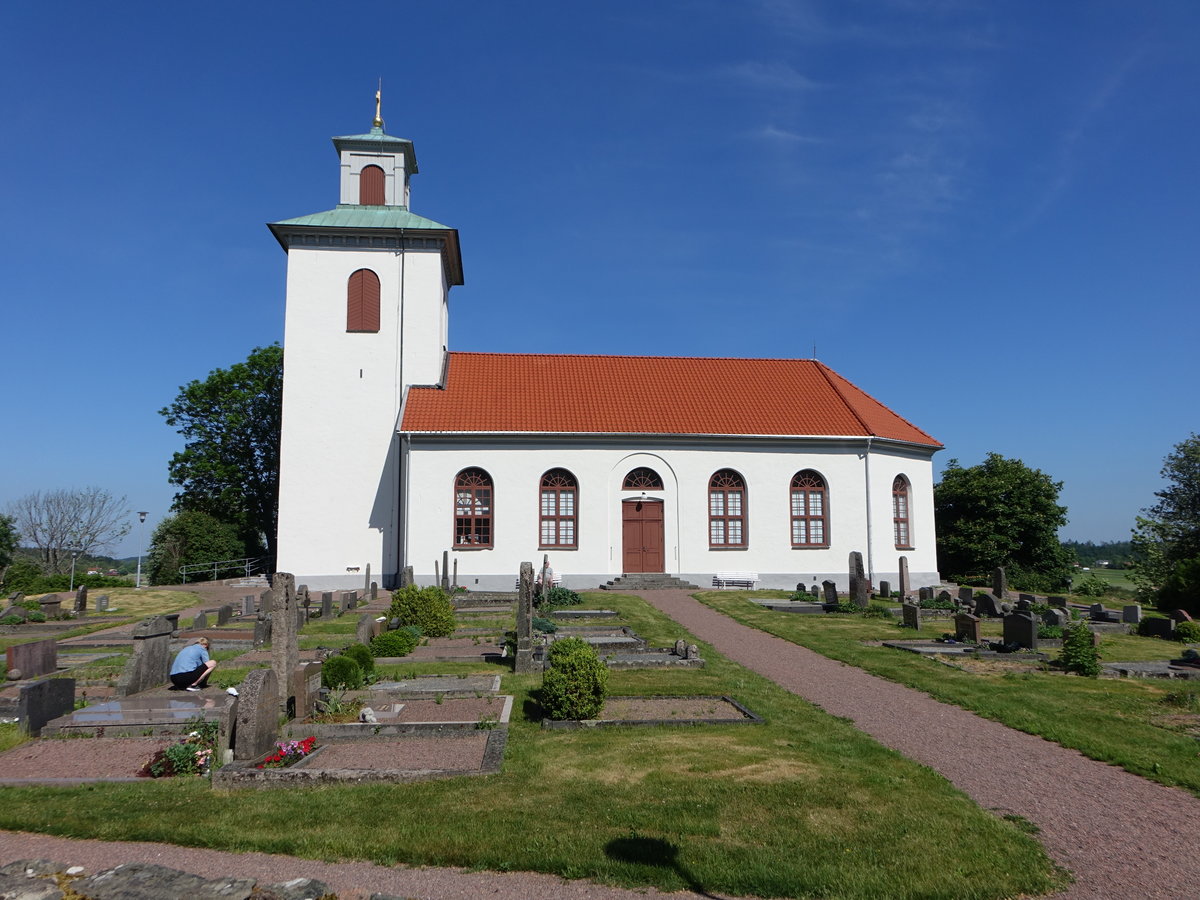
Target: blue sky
(983,214)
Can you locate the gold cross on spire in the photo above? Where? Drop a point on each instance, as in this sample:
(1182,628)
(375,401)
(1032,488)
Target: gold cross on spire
(378,123)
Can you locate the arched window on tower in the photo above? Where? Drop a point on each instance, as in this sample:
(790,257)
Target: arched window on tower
(371,186)
(362,302)
(558,503)
(473,509)
(726,510)
(810,510)
(900,513)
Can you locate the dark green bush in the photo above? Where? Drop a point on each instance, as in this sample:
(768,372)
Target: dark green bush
(30,604)
(877,612)
(427,608)
(1079,653)
(400,642)
(37,616)
(935,603)
(1050,632)
(1090,585)
(1188,632)
(575,682)
(558,596)
(11,620)
(341,673)
(545,626)
(361,655)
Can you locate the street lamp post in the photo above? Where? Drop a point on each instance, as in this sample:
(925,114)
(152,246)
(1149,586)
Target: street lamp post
(141,544)
(74,556)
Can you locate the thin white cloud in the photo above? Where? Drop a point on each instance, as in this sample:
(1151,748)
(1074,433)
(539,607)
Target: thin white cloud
(767,76)
(783,136)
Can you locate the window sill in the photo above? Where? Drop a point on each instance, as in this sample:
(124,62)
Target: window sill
(466,548)
(558,547)
(898,547)
(810,546)
(729,547)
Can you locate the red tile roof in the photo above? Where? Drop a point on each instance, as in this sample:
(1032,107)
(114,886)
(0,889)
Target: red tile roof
(560,394)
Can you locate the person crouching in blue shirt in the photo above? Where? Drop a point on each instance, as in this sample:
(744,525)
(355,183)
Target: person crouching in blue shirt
(191,667)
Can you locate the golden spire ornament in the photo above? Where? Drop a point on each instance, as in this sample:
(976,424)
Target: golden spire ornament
(378,123)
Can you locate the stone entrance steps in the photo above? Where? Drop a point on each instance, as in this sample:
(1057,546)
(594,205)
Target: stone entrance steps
(648,581)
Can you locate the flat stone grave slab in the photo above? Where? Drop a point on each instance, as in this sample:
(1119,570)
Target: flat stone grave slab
(665,711)
(168,710)
(571,614)
(790,606)
(650,659)
(78,761)
(1151,669)
(445,685)
(484,610)
(378,760)
(936,648)
(422,716)
(448,650)
(259,656)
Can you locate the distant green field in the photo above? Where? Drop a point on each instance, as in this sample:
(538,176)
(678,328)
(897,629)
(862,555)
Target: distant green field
(1116,577)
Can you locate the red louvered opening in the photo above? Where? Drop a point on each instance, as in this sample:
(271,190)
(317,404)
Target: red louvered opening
(362,302)
(370,186)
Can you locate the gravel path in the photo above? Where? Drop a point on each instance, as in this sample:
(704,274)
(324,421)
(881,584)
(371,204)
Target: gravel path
(1120,835)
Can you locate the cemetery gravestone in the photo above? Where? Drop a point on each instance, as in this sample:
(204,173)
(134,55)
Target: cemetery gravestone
(44,700)
(1181,615)
(285,647)
(446,571)
(903,585)
(1028,598)
(885,590)
(257,715)
(262,630)
(365,629)
(248,605)
(1000,583)
(150,664)
(1056,617)
(912,616)
(224,614)
(831,594)
(859,587)
(265,599)
(406,577)
(987,605)
(1020,628)
(101,603)
(524,660)
(926,593)
(1132,614)
(681,648)
(306,687)
(327,605)
(200,622)
(33,659)
(965,593)
(966,628)
(303,596)
(816,591)
(374,591)
(1159,628)
(51,605)
(19,611)
(81,600)
(800,588)
(1057,601)
(693,652)
(367,579)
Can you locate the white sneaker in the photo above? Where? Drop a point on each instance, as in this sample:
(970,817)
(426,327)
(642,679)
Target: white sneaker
(192,688)
(232,692)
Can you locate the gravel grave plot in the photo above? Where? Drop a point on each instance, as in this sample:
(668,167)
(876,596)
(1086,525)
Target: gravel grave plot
(458,753)
(80,758)
(667,708)
(1121,836)
(465,709)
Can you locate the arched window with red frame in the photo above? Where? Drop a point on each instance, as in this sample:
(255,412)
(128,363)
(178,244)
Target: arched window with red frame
(558,510)
(371,186)
(362,302)
(726,510)
(810,510)
(901,512)
(473,510)
(642,479)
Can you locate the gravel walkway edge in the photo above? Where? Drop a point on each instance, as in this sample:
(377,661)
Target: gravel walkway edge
(1121,836)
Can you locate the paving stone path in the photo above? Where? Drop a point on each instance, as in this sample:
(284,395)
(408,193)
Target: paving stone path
(1120,835)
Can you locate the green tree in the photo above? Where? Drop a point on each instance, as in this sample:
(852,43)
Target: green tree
(1166,540)
(8,540)
(1001,513)
(229,466)
(188,538)
(56,523)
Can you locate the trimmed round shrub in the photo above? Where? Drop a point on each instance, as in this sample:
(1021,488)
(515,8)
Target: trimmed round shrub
(1079,653)
(11,620)
(1188,632)
(361,654)
(340,673)
(427,608)
(558,596)
(575,682)
(37,616)
(400,642)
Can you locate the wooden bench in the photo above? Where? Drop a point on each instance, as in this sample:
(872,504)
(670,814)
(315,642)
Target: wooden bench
(745,580)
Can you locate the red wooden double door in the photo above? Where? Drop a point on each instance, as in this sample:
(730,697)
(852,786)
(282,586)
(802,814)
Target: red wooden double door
(642,536)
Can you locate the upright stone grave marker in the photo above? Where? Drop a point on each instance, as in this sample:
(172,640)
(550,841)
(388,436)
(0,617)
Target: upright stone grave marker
(524,660)
(248,605)
(800,588)
(365,630)
(374,591)
(42,701)
(81,600)
(304,596)
(265,599)
(367,579)
(101,603)
(150,664)
(966,627)
(965,593)
(1159,628)
(200,622)
(987,605)
(926,593)
(859,587)
(224,614)
(257,715)
(1056,617)
(1000,583)
(326,605)
(1181,615)
(912,616)
(816,590)
(406,577)
(446,571)
(262,630)
(1020,628)
(1028,598)
(944,597)
(831,594)
(681,648)
(51,606)
(306,687)
(1131,614)
(33,659)
(903,586)
(885,590)
(285,647)
(1057,601)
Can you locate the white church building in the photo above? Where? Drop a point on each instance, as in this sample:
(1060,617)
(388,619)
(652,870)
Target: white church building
(395,449)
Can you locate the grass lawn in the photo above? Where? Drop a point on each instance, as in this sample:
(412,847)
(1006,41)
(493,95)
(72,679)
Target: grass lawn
(128,603)
(803,806)
(1127,722)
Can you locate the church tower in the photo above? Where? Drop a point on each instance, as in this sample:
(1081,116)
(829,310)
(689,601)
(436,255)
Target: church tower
(368,287)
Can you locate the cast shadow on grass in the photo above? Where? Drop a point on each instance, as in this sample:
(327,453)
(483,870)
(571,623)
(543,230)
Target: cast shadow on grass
(648,851)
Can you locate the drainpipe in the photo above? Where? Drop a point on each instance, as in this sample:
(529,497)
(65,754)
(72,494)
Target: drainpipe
(870,540)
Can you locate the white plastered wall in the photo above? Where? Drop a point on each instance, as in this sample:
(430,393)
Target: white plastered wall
(516,467)
(339,463)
